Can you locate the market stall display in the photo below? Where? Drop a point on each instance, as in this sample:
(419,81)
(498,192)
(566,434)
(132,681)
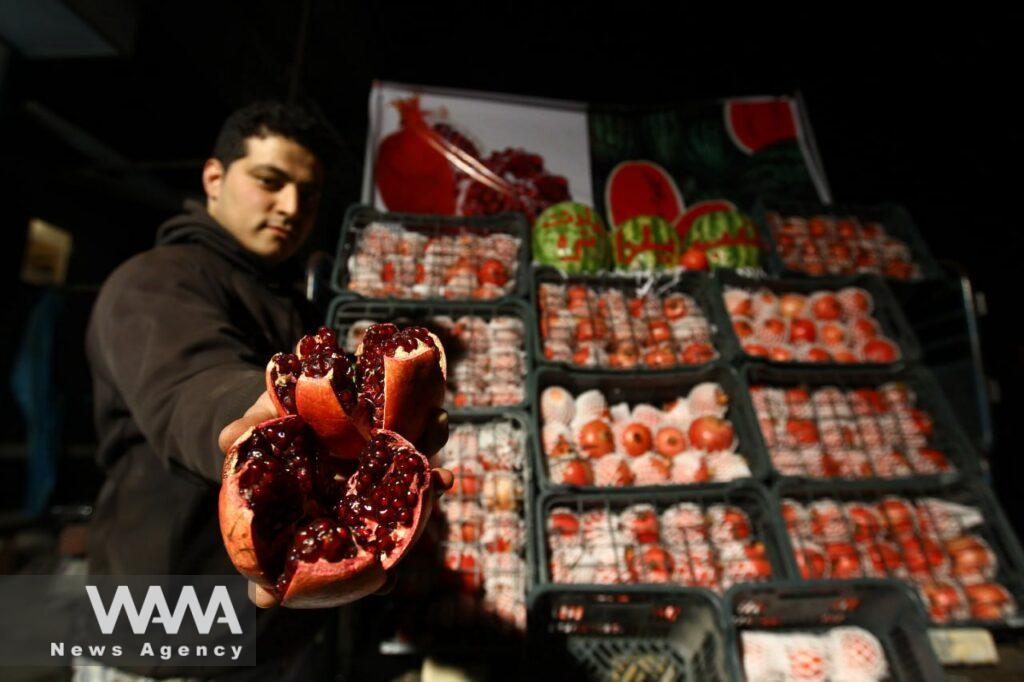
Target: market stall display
(409,256)
(701,539)
(952,544)
(845,321)
(846,240)
(675,429)
(831,423)
(601,323)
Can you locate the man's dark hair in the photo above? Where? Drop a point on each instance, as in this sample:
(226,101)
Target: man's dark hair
(261,119)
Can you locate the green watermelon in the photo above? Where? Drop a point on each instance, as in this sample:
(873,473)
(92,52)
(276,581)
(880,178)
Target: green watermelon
(645,243)
(571,237)
(728,238)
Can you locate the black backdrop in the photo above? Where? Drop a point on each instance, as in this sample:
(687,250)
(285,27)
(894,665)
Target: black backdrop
(915,112)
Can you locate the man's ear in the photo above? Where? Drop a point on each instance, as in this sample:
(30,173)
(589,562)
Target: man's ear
(213,176)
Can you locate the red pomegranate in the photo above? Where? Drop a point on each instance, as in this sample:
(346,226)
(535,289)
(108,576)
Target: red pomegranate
(709,433)
(394,382)
(636,439)
(669,441)
(313,529)
(596,439)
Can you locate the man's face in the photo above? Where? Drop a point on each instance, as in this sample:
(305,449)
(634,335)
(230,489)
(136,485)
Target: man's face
(268,198)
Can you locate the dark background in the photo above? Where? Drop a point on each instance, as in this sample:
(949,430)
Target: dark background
(106,146)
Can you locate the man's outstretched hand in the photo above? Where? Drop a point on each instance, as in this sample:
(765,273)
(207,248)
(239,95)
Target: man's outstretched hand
(432,440)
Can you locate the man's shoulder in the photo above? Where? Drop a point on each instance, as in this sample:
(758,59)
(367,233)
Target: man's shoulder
(165,262)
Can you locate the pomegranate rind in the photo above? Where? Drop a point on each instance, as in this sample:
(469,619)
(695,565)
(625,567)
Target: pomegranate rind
(323,584)
(414,384)
(343,434)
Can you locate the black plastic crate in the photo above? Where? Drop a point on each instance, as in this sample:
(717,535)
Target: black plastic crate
(359,217)
(647,633)
(885,608)
(694,284)
(886,312)
(895,219)
(752,499)
(992,527)
(438,616)
(947,436)
(653,389)
(344,312)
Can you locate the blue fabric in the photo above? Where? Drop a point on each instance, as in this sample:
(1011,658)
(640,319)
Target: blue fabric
(39,399)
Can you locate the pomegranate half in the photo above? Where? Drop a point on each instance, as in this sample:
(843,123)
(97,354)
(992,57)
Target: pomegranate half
(313,529)
(395,381)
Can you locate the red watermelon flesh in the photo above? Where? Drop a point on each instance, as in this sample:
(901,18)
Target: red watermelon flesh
(753,124)
(682,225)
(636,188)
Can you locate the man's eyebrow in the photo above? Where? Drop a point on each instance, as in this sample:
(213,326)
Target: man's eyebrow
(275,170)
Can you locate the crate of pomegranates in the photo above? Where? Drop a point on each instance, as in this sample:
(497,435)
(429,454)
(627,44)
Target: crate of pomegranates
(701,538)
(950,542)
(432,257)
(473,569)
(486,345)
(839,630)
(636,324)
(828,321)
(610,432)
(857,425)
(650,632)
(813,240)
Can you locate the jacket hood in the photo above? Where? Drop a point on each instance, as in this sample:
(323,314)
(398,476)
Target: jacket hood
(196,226)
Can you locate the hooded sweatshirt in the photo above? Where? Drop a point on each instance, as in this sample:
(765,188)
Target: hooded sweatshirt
(177,344)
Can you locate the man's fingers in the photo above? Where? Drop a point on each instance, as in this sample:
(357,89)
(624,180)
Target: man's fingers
(259,412)
(259,596)
(435,435)
(442,480)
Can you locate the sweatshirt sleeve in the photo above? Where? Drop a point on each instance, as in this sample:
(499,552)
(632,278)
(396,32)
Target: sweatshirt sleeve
(183,369)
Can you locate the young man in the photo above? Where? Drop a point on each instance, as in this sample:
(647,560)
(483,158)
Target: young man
(177,343)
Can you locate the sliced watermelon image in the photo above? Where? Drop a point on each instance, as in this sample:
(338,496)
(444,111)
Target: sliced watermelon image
(699,209)
(756,123)
(641,188)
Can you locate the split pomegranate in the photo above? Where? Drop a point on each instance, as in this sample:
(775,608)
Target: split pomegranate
(394,381)
(314,529)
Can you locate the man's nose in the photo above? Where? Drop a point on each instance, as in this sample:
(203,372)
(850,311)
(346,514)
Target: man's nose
(288,200)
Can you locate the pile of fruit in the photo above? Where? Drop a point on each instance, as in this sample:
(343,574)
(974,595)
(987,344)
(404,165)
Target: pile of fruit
(485,534)
(486,361)
(389,260)
(829,432)
(925,541)
(712,546)
(611,328)
(825,326)
(586,442)
(840,245)
(841,653)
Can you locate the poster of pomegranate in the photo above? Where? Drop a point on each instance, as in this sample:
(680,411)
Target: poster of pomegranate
(462,153)
(453,152)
